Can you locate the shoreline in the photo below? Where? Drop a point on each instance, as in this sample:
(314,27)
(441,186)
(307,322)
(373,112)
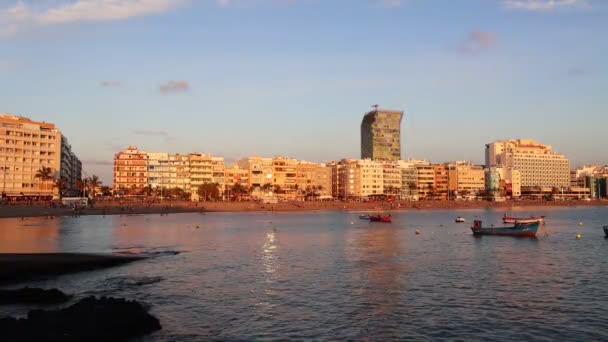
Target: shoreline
(115,209)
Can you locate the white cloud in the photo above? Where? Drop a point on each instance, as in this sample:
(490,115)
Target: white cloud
(543,5)
(24,15)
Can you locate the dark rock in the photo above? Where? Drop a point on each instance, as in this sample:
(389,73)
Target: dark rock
(32,296)
(91,319)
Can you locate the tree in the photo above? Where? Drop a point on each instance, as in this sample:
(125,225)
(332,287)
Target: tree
(106,191)
(61,185)
(209,191)
(82,185)
(266,188)
(93,183)
(238,190)
(44,174)
(149,190)
(277,189)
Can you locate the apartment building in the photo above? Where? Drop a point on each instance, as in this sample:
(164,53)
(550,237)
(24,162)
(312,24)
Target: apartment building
(409,177)
(425,181)
(26,146)
(441,181)
(130,172)
(465,180)
(391,178)
(360,178)
(538,164)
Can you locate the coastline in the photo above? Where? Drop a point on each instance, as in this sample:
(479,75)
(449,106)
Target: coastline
(112,208)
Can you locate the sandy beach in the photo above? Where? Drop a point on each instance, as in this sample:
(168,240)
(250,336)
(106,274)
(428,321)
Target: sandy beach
(114,208)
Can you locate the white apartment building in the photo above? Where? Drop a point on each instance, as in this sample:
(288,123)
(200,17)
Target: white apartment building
(538,164)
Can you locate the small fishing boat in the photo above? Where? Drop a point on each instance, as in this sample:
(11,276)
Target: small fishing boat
(460,219)
(379,218)
(511,219)
(527,229)
(364,217)
(606,231)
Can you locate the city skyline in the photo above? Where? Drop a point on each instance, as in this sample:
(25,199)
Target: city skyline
(294,78)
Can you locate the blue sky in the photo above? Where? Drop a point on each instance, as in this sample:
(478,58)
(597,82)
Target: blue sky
(294,77)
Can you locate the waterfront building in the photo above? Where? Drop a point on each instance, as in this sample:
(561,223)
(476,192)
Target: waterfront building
(538,164)
(26,146)
(360,178)
(201,171)
(313,179)
(285,177)
(465,180)
(71,168)
(391,178)
(130,172)
(159,172)
(235,175)
(441,181)
(409,177)
(261,173)
(381,135)
(425,181)
(501,182)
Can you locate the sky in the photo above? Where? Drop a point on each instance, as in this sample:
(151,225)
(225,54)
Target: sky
(294,77)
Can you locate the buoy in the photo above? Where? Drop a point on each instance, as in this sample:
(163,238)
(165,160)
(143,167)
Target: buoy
(580,223)
(351,222)
(578,236)
(197,227)
(417,232)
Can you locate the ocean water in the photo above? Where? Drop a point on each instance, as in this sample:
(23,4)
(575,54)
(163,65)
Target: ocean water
(331,276)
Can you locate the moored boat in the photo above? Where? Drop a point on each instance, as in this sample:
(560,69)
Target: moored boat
(523,229)
(364,217)
(460,219)
(511,219)
(379,218)
(606,231)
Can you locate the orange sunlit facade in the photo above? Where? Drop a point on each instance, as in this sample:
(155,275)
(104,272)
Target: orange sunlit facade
(130,171)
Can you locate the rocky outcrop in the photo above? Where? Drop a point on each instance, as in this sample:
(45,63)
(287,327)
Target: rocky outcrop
(91,319)
(28,295)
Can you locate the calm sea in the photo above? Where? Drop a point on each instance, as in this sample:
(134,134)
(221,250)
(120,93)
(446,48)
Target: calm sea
(331,276)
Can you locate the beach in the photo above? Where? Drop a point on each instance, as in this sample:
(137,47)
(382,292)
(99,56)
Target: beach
(174,207)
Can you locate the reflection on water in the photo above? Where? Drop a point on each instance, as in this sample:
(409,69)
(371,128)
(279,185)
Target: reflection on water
(330,276)
(38,235)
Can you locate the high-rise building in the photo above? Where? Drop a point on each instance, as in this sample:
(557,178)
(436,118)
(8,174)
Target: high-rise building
(538,164)
(381,135)
(130,172)
(26,147)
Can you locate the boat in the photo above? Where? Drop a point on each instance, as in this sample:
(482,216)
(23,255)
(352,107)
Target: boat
(511,219)
(364,217)
(523,229)
(606,231)
(380,218)
(460,220)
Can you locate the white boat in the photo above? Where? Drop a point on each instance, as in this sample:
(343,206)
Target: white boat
(460,219)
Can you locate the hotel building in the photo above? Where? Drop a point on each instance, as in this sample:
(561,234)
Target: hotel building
(381,135)
(26,146)
(538,164)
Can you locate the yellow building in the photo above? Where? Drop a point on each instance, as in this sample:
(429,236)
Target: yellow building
(391,178)
(425,175)
(260,174)
(465,180)
(26,146)
(313,179)
(360,178)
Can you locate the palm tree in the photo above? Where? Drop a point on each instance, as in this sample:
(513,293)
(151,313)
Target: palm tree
(277,189)
(82,185)
(94,183)
(61,185)
(238,190)
(44,174)
(266,188)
